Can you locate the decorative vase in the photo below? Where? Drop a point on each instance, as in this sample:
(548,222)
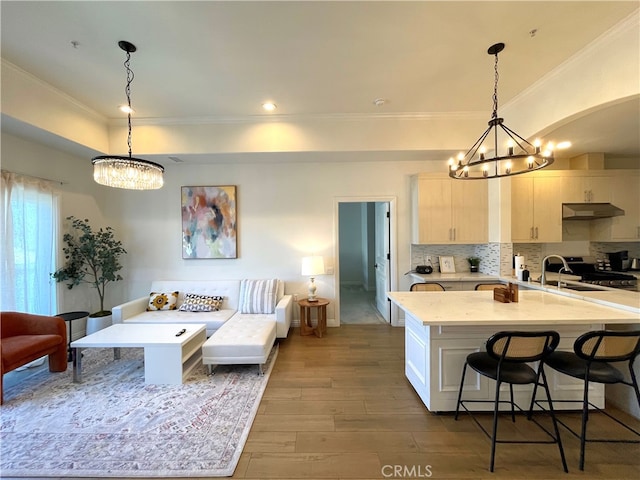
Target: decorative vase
(473,268)
(98,323)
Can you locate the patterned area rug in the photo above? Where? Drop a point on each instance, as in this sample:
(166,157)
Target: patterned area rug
(113,425)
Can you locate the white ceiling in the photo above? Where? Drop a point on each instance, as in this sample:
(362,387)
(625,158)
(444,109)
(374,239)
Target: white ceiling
(209,60)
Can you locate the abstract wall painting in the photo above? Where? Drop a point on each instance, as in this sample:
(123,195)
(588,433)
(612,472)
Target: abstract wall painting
(209,228)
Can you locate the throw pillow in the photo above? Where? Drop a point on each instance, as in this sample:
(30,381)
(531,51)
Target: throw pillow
(258,296)
(162,301)
(200,303)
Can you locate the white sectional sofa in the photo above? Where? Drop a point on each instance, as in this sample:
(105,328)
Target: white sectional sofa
(242,331)
(135,311)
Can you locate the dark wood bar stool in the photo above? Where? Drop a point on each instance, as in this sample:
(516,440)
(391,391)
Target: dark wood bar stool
(506,361)
(591,361)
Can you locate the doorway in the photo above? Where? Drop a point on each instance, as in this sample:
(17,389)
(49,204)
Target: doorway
(365,267)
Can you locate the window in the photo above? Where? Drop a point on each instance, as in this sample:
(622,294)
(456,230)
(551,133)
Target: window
(29,225)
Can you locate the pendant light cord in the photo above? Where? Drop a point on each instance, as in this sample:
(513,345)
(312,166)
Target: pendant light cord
(127,91)
(495,90)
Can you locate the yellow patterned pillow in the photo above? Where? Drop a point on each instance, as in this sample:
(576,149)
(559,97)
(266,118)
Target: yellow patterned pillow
(200,303)
(162,301)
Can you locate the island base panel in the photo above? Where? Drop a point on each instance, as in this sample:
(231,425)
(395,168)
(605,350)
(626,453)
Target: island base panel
(435,356)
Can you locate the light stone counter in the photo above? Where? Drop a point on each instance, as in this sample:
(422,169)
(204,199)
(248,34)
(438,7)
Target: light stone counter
(535,307)
(454,277)
(612,297)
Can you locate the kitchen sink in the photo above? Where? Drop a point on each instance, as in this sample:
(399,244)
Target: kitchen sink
(577,288)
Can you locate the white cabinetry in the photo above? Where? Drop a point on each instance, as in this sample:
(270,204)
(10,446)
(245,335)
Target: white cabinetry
(536,209)
(625,194)
(435,356)
(449,211)
(586,188)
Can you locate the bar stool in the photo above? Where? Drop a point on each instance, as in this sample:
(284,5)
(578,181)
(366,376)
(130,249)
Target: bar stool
(591,361)
(505,361)
(426,287)
(489,286)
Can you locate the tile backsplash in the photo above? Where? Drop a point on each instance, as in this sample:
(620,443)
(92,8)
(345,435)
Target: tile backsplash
(497,258)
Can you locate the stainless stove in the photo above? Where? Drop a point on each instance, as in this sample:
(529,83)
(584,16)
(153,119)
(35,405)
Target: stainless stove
(610,279)
(591,272)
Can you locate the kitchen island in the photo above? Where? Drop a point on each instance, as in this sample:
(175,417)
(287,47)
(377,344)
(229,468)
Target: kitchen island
(442,328)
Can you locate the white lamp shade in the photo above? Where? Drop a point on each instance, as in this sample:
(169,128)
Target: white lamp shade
(313,265)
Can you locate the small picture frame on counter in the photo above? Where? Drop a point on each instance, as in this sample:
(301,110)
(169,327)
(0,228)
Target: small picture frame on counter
(447,265)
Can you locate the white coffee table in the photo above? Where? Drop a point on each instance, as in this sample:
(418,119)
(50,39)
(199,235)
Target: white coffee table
(168,358)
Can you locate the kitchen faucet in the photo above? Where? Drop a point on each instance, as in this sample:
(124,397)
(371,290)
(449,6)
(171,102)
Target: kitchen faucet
(565,267)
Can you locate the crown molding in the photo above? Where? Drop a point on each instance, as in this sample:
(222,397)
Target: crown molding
(54,91)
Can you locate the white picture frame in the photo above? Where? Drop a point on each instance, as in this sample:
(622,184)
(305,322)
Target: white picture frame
(447,264)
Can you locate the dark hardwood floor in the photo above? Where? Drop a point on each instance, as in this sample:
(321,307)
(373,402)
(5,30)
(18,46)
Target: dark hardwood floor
(340,407)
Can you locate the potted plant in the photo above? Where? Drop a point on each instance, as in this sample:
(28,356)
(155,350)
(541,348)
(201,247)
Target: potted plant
(91,257)
(474,263)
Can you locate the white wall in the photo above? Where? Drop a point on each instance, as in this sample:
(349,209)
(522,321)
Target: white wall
(285,211)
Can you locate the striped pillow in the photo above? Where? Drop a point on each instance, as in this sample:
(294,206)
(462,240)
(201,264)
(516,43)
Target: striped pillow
(258,296)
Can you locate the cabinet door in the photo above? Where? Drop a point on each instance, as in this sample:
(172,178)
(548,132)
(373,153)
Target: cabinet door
(575,190)
(469,200)
(586,189)
(547,209)
(626,195)
(599,189)
(433,210)
(522,209)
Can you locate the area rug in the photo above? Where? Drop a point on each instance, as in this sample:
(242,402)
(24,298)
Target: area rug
(114,425)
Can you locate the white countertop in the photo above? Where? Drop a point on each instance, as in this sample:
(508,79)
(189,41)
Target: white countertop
(612,297)
(454,277)
(535,307)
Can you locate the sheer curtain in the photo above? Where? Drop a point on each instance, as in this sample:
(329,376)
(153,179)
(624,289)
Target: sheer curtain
(29,229)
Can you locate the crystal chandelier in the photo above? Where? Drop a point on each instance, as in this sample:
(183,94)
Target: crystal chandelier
(127,172)
(521,156)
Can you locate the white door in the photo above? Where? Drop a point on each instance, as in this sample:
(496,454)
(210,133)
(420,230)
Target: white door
(382,233)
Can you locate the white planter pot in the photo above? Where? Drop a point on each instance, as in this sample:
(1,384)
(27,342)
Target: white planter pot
(98,323)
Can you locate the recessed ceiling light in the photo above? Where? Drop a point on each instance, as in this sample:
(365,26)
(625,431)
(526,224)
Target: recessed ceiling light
(378,102)
(269,106)
(563,145)
(125,109)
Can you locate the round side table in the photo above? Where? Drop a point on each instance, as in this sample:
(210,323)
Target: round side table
(70,317)
(320,305)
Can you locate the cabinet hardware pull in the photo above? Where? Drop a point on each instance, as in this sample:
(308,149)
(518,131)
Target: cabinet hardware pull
(536,233)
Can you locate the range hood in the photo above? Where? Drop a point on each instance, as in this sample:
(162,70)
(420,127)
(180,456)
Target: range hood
(589,211)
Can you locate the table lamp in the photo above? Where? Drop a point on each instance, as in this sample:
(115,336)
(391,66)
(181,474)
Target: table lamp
(312,266)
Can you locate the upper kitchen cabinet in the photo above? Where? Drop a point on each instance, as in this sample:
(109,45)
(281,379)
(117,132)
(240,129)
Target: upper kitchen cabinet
(536,208)
(449,211)
(584,187)
(625,194)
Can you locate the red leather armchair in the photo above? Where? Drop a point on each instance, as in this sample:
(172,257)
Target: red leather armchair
(25,337)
